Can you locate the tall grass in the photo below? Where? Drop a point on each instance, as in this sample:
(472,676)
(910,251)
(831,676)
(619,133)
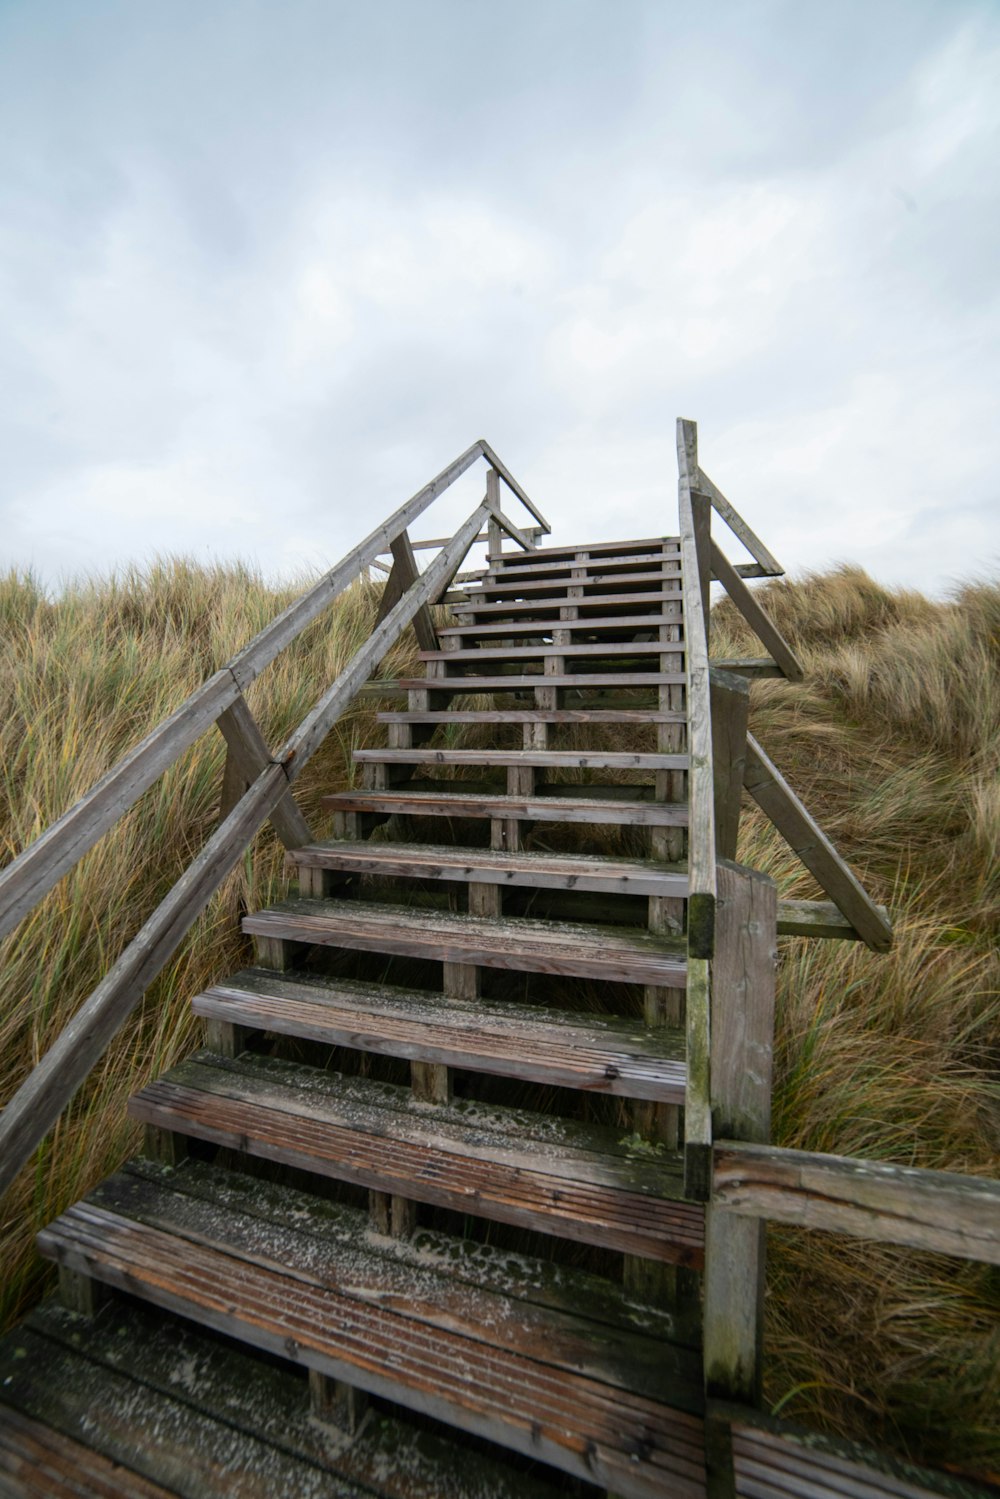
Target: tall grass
(893,741)
(82,679)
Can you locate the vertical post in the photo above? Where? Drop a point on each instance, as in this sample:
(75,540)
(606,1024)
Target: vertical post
(494,532)
(701,514)
(730,701)
(743,981)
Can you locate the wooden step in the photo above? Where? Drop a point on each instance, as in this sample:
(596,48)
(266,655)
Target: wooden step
(39,1462)
(145,1395)
(618,954)
(590,585)
(535,715)
(465,603)
(542,759)
(518,569)
(378,1137)
(593,548)
(518,683)
(601,1054)
(429,861)
(613,810)
(596,649)
(597,625)
(617,1409)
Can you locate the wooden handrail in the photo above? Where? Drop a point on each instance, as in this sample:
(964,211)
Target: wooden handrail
(51,1085)
(33,873)
(942,1211)
(701,830)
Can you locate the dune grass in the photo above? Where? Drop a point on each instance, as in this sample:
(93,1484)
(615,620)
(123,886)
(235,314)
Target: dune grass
(893,741)
(82,679)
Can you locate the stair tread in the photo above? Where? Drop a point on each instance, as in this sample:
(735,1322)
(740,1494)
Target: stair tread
(497,866)
(534,715)
(217,1422)
(570,759)
(610,1054)
(574,626)
(377,1136)
(619,954)
(547,648)
(470,602)
(595,546)
(476,803)
(517,683)
(669,570)
(524,567)
(553,1386)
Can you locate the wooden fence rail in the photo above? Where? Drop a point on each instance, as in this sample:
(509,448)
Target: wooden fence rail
(47,1090)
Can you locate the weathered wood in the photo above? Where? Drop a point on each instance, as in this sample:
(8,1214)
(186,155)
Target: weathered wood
(596,625)
(405,573)
(34,872)
(738,525)
(634,716)
(701,828)
(774,796)
(543,759)
(641,600)
(763,627)
(619,954)
(701,517)
(47,1090)
(354,1136)
(940,1211)
(601,1054)
(818,918)
(610,808)
(37,1460)
(743,985)
(598,649)
(730,708)
(514,532)
(757,668)
(509,682)
(249,754)
(592,585)
(489,867)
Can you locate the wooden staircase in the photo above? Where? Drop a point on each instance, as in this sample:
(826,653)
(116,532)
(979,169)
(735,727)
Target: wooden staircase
(436,1159)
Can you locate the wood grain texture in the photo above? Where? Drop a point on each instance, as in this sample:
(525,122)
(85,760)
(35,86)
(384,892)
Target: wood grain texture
(934,1210)
(756,617)
(767,563)
(774,796)
(571,809)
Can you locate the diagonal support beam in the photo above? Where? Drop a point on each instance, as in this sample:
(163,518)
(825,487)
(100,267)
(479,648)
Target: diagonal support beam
(248,755)
(774,796)
(771,567)
(403,575)
(763,627)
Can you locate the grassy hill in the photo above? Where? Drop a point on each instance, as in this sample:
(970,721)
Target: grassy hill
(893,742)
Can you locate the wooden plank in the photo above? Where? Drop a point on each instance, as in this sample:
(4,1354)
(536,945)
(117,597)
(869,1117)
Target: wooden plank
(757,668)
(513,485)
(575,570)
(618,954)
(628,1442)
(576,759)
(510,682)
(34,872)
(423,1155)
(604,1054)
(701,829)
(249,755)
(596,625)
(818,918)
(608,809)
(743,987)
(505,524)
(771,568)
(940,1211)
(596,649)
(701,517)
(730,708)
(774,796)
(640,600)
(591,584)
(47,1090)
(38,1462)
(634,716)
(596,548)
(756,617)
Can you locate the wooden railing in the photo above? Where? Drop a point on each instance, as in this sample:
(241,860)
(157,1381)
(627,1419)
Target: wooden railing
(267,777)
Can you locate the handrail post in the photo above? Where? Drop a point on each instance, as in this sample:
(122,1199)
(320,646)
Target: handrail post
(494,544)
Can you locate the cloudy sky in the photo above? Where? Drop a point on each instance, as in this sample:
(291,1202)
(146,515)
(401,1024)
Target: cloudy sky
(266,267)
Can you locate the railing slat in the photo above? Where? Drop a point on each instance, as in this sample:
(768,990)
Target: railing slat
(936,1210)
(734,520)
